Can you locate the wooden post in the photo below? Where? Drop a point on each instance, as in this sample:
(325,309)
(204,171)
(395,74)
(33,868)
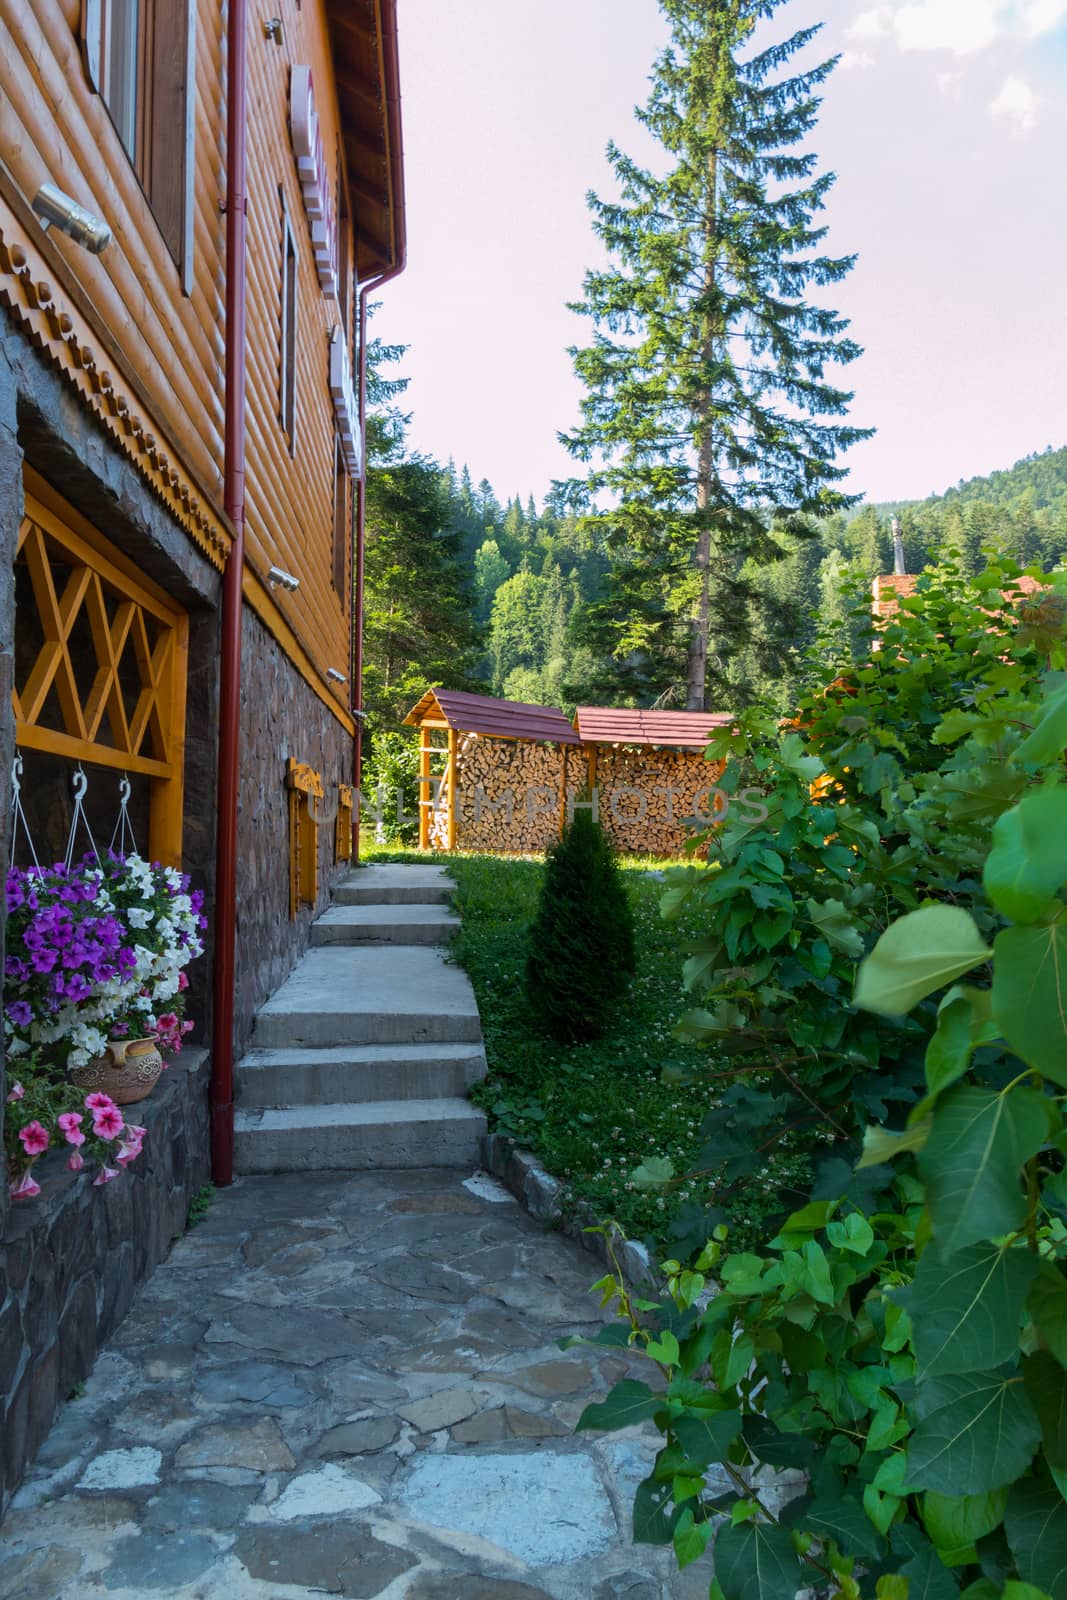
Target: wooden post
(168,794)
(425,800)
(453,743)
(563,794)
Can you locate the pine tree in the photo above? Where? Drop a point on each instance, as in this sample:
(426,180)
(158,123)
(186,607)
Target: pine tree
(707,390)
(581,953)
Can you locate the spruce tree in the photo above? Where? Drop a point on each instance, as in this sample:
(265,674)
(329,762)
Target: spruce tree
(581,953)
(708,416)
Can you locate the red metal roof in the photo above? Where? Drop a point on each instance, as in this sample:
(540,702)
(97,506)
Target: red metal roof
(682,729)
(503,719)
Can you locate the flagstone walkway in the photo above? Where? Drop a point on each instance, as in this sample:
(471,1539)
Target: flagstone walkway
(350,1384)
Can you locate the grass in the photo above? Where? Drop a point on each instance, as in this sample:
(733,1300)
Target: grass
(594,1112)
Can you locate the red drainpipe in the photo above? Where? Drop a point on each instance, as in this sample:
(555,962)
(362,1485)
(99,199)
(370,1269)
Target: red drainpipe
(230,645)
(391,56)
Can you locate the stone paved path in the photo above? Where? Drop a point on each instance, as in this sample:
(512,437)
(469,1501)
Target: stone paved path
(345,1384)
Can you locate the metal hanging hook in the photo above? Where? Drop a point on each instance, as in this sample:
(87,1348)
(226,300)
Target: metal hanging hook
(80,784)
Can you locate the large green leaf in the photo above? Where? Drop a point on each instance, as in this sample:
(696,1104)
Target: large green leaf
(1048,739)
(1028,862)
(1046,1384)
(756,1561)
(973,1160)
(1030,995)
(974,1432)
(1036,1524)
(629,1402)
(916,955)
(1048,1307)
(952,1524)
(707,1436)
(840,1517)
(966,1310)
(928,1577)
(963,1023)
(655,1515)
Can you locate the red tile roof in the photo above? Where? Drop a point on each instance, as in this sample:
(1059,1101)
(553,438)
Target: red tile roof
(619,725)
(502,719)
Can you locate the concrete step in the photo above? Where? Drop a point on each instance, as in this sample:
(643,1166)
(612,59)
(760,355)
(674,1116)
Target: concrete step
(400,994)
(384,924)
(394,884)
(388,1133)
(349,1074)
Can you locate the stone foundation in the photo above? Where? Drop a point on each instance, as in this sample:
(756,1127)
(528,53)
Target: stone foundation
(71,1259)
(281,716)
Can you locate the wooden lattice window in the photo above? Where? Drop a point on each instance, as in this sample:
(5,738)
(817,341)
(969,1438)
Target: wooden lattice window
(101,660)
(305,786)
(343,845)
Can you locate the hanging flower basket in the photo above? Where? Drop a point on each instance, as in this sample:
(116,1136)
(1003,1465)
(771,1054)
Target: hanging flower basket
(127,1071)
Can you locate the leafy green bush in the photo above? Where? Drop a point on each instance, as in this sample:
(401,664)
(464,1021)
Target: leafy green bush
(901,1342)
(391,787)
(880,796)
(581,955)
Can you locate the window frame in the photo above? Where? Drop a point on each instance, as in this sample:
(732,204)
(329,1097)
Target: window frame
(288,326)
(163,131)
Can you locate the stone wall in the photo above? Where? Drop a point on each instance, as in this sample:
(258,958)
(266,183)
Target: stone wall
(71,1259)
(281,716)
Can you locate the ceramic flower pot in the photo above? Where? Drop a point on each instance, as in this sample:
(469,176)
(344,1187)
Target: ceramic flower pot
(127,1072)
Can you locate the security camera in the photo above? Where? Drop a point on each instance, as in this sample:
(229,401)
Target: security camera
(277,577)
(53,206)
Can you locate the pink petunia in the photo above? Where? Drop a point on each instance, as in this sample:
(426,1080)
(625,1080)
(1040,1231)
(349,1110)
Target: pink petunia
(16,1092)
(128,1152)
(183,981)
(76,1160)
(70,1122)
(107,1123)
(34,1138)
(97,1101)
(105,1175)
(25,1188)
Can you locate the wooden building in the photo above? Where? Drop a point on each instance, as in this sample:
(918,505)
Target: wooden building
(493,774)
(195,201)
(502,776)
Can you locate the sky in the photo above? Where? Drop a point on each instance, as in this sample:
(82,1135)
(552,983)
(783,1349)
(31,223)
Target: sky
(946,123)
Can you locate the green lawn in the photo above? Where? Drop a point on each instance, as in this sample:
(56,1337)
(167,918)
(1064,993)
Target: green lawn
(593,1112)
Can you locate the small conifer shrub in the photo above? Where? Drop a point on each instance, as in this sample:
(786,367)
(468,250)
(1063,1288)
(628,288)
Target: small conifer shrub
(581,955)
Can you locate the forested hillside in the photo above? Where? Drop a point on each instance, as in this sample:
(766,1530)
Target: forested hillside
(466,591)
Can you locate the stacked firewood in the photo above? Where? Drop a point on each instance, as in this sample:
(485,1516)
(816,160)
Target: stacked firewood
(647,795)
(510,793)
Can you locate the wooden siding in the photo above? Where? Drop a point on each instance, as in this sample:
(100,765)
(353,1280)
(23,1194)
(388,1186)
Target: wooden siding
(289,510)
(149,358)
(165,346)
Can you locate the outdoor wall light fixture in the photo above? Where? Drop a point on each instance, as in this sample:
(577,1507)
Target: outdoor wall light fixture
(278,578)
(335,676)
(84,227)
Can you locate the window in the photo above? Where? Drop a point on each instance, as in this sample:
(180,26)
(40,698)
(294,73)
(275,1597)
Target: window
(140,57)
(340,518)
(287,406)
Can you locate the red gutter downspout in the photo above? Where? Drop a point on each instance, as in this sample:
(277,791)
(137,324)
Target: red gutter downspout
(230,643)
(391,56)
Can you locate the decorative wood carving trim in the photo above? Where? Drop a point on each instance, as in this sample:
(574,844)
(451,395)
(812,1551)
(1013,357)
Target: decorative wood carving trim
(65,337)
(304,785)
(343,840)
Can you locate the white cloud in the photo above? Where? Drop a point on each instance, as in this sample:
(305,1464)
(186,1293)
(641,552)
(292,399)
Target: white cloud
(1041,16)
(856,60)
(950,85)
(962,26)
(1016,101)
(871,24)
(958,25)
